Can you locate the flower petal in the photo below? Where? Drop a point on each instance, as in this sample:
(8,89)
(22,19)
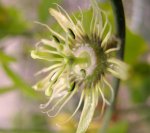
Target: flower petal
(45,56)
(96,22)
(44,70)
(113,44)
(110,90)
(118,68)
(61,19)
(90,103)
(67,23)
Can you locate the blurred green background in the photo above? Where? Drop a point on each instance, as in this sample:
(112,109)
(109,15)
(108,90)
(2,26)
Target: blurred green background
(19,103)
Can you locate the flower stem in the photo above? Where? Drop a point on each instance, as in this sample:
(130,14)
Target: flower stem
(120,33)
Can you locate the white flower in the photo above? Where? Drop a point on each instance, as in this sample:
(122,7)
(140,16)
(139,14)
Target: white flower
(79,61)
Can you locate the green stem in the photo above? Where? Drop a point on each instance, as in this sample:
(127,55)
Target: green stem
(77,60)
(120,29)
(81,60)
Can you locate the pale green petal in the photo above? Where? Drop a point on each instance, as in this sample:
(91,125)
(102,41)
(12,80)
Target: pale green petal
(90,103)
(77,108)
(96,22)
(61,19)
(70,95)
(42,84)
(99,88)
(50,46)
(44,70)
(111,91)
(42,46)
(60,101)
(54,78)
(51,43)
(106,38)
(112,45)
(118,68)
(45,56)
(106,33)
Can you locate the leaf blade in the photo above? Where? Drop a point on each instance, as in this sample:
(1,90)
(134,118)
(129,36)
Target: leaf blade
(19,82)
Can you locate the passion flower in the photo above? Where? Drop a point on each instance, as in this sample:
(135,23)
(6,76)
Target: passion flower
(79,62)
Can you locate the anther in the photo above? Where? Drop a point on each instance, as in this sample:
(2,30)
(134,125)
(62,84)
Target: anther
(56,38)
(72,33)
(72,87)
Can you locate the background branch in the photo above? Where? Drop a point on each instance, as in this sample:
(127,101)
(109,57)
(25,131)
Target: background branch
(120,33)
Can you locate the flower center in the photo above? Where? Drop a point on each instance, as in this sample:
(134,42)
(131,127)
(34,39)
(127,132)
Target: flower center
(89,65)
(90,62)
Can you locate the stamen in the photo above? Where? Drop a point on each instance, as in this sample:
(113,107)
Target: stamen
(72,33)
(56,38)
(52,31)
(72,87)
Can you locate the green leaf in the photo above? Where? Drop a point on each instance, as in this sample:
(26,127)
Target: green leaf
(43,9)
(135,46)
(11,21)
(19,82)
(119,127)
(4,90)
(139,82)
(5,58)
